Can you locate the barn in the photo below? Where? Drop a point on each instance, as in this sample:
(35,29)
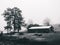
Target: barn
(40,29)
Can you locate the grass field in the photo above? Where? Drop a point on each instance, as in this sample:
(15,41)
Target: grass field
(31,39)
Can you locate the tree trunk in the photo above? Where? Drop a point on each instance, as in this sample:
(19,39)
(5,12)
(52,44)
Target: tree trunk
(14,30)
(7,31)
(18,30)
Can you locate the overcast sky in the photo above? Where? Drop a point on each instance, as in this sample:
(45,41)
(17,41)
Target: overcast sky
(35,10)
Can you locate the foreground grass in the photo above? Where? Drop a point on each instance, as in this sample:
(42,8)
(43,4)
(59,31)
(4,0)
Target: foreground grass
(26,39)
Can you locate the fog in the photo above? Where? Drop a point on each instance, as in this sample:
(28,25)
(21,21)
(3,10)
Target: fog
(35,10)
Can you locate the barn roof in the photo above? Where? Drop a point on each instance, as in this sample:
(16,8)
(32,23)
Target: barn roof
(42,27)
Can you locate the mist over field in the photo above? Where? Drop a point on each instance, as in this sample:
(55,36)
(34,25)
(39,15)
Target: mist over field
(29,22)
(34,10)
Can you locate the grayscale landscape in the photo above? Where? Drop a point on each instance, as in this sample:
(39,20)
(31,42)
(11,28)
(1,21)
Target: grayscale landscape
(29,22)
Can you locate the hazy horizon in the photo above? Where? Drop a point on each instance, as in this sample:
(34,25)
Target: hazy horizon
(35,10)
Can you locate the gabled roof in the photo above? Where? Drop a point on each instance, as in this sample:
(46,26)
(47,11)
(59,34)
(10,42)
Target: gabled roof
(42,27)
